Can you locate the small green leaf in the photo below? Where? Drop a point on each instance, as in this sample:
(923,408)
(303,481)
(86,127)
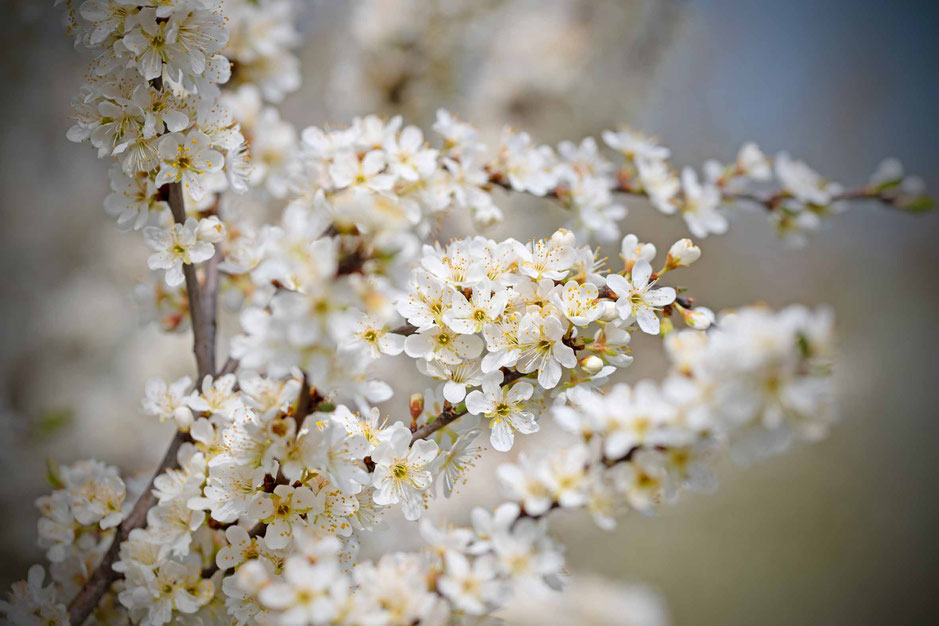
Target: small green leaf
(919,204)
(53,420)
(804,348)
(887,185)
(53,477)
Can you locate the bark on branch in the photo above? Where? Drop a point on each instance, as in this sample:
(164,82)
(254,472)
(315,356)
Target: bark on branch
(202,309)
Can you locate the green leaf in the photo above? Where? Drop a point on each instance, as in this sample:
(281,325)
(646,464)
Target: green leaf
(887,185)
(52,421)
(53,477)
(919,204)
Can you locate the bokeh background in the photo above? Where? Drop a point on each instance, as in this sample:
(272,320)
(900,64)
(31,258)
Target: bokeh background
(841,532)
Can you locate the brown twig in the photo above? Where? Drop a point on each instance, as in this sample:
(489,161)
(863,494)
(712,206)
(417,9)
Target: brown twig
(201,305)
(770,202)
(202,311)
(405,329)
(450,414)
(230,366)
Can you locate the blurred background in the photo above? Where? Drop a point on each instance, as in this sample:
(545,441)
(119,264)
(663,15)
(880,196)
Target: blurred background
(841,532)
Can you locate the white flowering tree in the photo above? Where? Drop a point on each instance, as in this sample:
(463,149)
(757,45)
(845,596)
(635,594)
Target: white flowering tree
(318,242)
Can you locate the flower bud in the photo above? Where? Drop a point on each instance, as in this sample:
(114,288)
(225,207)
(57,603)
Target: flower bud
(210,229)
(609,311)
(753,163)
(591,364)
(183,418)
(563,238)
(252,577)
(486,214)
(631,250)
(699,318)
(416,405)
(666,326)
(889,172)
(682,254)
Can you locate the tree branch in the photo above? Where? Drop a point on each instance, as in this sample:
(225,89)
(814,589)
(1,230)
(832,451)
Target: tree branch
(451,414)
(230,366)
(771,202)
(201,305)
(202,310)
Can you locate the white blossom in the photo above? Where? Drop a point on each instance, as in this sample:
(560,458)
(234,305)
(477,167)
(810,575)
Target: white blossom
(700,206)
(401,473)
(636,299)
(176,246)
(169,401)
(188,159)
(504,407)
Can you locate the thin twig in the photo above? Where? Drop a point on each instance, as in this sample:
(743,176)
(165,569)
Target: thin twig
(405,329)
(769,202)
(201,308)
(230,366)
(450,415)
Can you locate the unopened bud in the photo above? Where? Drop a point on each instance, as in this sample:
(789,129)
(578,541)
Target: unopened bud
(699,318)
(591,364)
(682,254)
(631,250)
(666,326)
(563,238)
(416,405)
(753,163)
(252,577)
(210,229)
(609,311)
(183,417)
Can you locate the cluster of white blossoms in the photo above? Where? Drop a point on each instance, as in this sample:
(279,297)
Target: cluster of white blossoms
(264,487)
(260,42)
(415,181)
(77,519)
(464,572)
(76,527)
(754,383)
(483,314)
(154,101)
(289,452)
(794,195)
(151,98)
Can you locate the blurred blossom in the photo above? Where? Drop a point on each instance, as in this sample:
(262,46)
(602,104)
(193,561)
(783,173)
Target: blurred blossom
(74,359)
